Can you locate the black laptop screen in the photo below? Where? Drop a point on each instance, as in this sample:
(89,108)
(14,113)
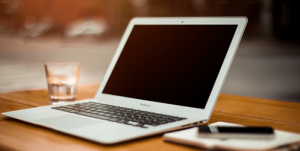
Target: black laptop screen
(174,64)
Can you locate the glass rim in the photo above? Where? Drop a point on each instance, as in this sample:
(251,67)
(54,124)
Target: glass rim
(62,64)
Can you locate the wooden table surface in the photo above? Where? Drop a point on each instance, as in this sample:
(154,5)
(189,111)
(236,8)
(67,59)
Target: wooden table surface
(18,135)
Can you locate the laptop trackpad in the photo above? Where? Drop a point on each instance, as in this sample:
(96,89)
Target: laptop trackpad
(67,121)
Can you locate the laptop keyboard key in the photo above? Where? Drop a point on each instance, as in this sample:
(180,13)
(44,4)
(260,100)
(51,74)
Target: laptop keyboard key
(112,119)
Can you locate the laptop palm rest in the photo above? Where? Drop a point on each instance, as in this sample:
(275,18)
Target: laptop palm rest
(67,121)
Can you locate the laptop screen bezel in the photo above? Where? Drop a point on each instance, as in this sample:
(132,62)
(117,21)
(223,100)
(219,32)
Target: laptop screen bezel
(169,108)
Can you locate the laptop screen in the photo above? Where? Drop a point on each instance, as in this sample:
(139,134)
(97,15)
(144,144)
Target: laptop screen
(173,64)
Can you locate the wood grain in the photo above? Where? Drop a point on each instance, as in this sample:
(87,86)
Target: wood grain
(254,121)
(40,97)
(261,108)
(18,135)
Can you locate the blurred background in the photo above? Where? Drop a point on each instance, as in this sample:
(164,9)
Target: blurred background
(33,32)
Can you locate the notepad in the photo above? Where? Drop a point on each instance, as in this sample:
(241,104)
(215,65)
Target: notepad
(190,137)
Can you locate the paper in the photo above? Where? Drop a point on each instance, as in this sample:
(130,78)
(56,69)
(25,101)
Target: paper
(189,137)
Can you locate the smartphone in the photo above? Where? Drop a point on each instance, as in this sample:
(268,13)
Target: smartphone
(224,132)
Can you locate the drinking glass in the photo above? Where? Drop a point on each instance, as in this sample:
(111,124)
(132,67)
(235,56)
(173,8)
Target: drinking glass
(62,80)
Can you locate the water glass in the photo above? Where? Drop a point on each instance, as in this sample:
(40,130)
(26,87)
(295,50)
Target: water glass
(62,80)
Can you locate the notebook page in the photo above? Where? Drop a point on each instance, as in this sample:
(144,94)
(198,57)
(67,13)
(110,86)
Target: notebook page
(190,137)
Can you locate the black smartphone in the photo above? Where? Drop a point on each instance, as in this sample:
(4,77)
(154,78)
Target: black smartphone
(225,132)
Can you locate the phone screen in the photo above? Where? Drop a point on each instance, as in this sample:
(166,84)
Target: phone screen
(250,130)
(235,130)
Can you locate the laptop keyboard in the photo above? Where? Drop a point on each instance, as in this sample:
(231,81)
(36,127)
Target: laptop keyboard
(119,114)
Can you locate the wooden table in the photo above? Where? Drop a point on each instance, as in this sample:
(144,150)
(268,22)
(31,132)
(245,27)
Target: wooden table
(18,135)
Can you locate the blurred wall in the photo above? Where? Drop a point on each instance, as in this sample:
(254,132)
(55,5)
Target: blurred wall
(18,15)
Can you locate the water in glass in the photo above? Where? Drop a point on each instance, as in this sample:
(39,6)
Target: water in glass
(62,89)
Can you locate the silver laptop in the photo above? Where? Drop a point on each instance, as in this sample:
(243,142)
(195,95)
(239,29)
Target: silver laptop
(166,74)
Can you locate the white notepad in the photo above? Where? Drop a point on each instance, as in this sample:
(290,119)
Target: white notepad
(190,137)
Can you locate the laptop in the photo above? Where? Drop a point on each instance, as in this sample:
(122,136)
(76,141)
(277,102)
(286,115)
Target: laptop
(166,74)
